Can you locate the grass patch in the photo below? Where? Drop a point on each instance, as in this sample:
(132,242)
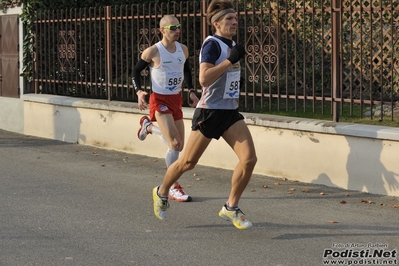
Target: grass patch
(348,114)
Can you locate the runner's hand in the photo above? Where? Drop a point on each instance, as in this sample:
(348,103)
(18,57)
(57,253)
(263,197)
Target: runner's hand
(141,100)
(237,53)
(193,99)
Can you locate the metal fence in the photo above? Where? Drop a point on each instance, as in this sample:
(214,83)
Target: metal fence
(328,57)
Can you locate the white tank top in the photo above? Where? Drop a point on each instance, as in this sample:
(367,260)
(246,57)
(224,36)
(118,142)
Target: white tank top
(168,77)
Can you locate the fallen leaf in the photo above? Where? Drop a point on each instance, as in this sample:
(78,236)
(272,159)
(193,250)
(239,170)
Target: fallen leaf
(370,202)
(332,221)
(363,201)
(383,204)
(395,206)
(265,186)
(342,202)
(322,193)
(284,178)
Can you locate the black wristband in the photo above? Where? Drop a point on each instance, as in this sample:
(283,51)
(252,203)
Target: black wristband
(188,78)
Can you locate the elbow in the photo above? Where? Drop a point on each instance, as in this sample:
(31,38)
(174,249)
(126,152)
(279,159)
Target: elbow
(203,82)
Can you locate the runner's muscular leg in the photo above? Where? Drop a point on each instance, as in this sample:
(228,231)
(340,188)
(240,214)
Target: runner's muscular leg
(195,147)
(240,140)
(171,130)
(180,128)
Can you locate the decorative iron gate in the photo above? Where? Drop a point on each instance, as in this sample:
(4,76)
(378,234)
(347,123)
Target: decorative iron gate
(325,57)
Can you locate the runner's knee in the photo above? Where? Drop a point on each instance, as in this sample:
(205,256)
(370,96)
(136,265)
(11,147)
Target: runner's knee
(189,165)
(176,145)
(249,162)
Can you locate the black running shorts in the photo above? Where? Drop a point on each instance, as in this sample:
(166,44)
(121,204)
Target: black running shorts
(214,122)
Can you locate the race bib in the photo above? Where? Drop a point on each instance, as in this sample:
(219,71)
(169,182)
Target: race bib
(173,80)
(232,88)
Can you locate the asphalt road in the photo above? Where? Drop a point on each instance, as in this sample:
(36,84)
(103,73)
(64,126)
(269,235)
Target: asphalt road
(68,204)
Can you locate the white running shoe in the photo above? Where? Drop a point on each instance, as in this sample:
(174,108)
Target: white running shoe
(177,193)
(237,217)
(144,123)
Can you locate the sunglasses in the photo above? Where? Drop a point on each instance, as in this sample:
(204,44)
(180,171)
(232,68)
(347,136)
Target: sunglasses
(173,27)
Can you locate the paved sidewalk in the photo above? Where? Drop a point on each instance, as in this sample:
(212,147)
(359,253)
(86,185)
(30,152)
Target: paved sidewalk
(68,204)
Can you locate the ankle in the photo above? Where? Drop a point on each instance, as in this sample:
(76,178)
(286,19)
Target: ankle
(161,196)
(148,128)
(230,208)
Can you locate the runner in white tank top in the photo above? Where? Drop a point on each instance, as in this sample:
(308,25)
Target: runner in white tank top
(167,78)
(169,67)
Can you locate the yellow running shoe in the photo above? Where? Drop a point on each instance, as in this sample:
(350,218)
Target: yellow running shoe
(237,217)
(160,206)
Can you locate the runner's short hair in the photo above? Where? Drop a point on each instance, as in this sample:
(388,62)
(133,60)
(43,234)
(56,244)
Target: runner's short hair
(215,7)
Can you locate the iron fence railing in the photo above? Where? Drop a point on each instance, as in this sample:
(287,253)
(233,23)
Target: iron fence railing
(335,57)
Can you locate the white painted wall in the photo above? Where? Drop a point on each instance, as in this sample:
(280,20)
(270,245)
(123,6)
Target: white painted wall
(350,156)
(11,114)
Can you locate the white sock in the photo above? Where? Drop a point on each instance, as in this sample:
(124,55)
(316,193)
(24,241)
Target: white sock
(171,156)
(157,132)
